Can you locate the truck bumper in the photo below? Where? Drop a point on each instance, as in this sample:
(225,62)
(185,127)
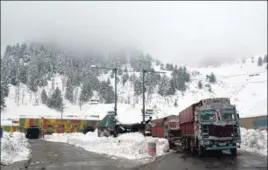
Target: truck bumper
(221,148)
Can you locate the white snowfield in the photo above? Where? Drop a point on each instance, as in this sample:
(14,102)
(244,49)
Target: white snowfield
(254,141)
(130,146)
(14,148)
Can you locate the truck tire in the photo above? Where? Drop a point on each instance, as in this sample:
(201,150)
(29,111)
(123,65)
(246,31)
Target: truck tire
(201,151)
(233,152)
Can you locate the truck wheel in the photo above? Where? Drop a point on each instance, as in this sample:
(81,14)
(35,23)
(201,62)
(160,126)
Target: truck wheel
(201,151)
(233,152)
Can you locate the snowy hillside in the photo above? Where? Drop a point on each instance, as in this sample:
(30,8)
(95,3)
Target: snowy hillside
(243,81)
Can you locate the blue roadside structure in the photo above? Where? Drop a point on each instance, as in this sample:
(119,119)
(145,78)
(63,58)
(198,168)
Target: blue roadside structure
(1,132)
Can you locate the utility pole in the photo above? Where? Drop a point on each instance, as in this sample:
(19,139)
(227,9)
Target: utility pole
(143,96)
(115,91)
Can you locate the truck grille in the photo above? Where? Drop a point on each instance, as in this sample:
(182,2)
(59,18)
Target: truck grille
(221,131)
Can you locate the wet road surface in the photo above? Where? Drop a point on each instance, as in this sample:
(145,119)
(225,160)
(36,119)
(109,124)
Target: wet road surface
(60,156)
(224,161)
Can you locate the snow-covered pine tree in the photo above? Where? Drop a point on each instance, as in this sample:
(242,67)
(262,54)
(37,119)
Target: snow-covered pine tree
(86,93)
(163,86)
(69,91)
(137,87)
(56,101)
(2,104)
(260,61)
(212,78)
(125,78)
(200,85)
(172,87)
(44,97)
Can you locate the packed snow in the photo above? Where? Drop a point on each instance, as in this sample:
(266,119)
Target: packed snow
(131,145)
(254,141)
(14,148)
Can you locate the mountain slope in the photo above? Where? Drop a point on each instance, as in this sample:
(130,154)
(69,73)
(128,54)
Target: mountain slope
(243,82)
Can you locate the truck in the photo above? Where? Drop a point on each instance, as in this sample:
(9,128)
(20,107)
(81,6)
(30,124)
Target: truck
(210,125)
(168,128)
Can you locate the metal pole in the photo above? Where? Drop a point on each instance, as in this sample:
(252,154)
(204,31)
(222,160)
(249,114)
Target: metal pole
(143,96)
(115,89)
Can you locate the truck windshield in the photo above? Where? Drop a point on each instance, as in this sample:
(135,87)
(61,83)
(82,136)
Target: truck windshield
(228,114)
(207,115)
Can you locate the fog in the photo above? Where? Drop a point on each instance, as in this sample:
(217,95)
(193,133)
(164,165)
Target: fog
(191,33)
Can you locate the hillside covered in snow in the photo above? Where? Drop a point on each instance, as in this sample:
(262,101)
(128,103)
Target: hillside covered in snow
(37,81)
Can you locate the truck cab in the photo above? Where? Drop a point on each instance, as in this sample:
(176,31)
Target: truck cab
(217,126)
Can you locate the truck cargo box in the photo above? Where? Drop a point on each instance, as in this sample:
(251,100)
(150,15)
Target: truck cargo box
(186,118)
(158,131)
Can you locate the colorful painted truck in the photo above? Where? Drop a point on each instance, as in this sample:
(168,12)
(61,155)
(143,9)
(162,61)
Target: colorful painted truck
(211,124)
(49,126)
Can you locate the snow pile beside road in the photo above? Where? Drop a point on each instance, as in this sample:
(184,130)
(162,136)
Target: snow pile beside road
(254,140)
(14,148)
(131,146)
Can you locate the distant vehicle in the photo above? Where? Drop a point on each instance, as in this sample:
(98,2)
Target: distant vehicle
(33,132)
(94,101)
(110,126)
(88,129)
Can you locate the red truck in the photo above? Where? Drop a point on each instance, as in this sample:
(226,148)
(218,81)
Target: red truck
(167,127)
(210,124)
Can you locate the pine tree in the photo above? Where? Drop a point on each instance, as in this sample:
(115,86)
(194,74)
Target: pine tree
(23,75)
(2,104)
(69,91)
(86,93)
(133,77)
(176,103)
(4,88)
(56,101)
(125,78)
(108,81)
(137,87)
(265,59)
(212,78)
(260,61)
(172,87)
(164,86)
(44,96)
(200,85)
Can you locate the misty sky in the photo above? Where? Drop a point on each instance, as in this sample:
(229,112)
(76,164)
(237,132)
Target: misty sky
(178,32)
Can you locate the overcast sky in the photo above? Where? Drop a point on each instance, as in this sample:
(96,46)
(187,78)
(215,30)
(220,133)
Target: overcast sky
(179,32)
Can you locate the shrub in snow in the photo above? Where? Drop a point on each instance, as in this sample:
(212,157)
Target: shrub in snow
(14,148)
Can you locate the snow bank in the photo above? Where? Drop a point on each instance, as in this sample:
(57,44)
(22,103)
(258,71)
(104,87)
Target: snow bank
(14,148)
(131,145)
(254,140)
